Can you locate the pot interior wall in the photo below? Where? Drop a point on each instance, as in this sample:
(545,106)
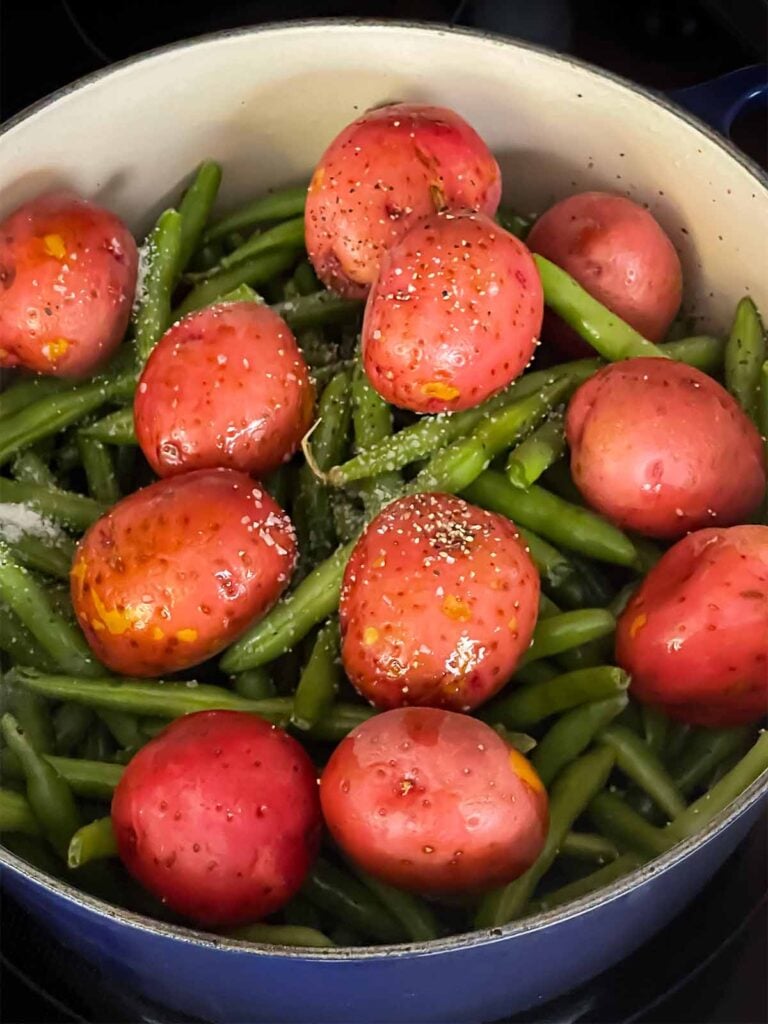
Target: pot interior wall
(267,102)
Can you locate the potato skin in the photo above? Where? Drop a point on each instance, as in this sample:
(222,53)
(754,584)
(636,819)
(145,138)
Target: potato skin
(67,280)
(438,604)
(620,254)
(695,635)
(383,173)
(219,817)
(176,571)
(454,315)
(226,386)
(434,801)
(661,448)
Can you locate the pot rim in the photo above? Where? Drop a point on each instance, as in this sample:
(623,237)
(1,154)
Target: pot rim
(537,922)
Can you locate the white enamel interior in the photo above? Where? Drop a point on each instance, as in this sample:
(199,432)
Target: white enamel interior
(266,103)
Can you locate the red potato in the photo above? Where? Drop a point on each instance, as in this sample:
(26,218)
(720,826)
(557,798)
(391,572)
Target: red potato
(219,817)
(454,315)
(382,174)
(695,635)
(662,448)
(67,280)
(176,571)
(438,604)
(434,801)
(227,386)
(617,251)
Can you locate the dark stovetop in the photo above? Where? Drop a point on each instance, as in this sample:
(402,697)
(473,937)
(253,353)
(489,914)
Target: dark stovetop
(709,966)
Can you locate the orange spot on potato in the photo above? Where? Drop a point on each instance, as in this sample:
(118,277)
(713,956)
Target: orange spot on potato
(158,634)
(54,246)
(637,625)
(380,562)
(77,572)
(116,621)
(55,349)
(317,180)
(523,768)
(370,635)
(187,636)
(98,625)
(455,608)
(512,624)
(436,389)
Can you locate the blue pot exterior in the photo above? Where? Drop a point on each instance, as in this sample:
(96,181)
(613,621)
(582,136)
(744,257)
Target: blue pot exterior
(469,980)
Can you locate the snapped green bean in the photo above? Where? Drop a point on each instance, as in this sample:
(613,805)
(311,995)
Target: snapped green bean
(562,632)
(745,354)
(537,453)
(72,510)
(528,705)
(280,205)
(572,733)
(319,681)
(639,763)
(16,814)
(94,841)
(161,254)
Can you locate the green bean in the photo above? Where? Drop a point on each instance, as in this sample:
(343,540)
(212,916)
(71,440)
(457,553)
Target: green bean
(195,209)
(615,819)
(153,726)
(599,879)
(454,468)
(124,728)
(305,280)
(726,790)
(589,846)
(336,893)
(315,310)
(52,556)
(72,510)
(99,470)
(312,512)
(415,916)
(577,529)
(547,607)
(531,704)
(303,913)
(255,684)
(243,293)
(513,222)
(71,722)
(313,600)
(171,700)
(433,432)
(704,751)
(16,815)
(348,517)
(569,629)
(161,256)
(33,716)
(53,413)
(94,841)
(18,642)
(701,351)
(535,672)
(116,428)
(207,257)
(655,728)
(289,234)
(520,741)
(279,483)
(27,390)
(677,737)
(340,721)
(372,421)
(29,468)
(639,763)
(607,333)
(48,794)
(255,271)
(570,794)
(281,935)
(97,745)
(281,205)
(572,733)
(745,354)
(61,640)
(319,681)
(93,779)
(544,447)
(589,655)
(558,573)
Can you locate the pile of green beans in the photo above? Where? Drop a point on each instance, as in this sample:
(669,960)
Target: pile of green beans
(625,784)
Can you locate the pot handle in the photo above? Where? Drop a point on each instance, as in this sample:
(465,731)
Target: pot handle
(720,101)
